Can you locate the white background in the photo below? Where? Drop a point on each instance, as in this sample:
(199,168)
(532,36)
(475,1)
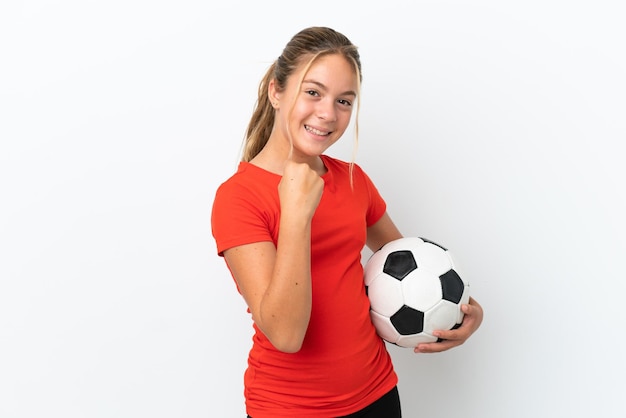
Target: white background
(495,128)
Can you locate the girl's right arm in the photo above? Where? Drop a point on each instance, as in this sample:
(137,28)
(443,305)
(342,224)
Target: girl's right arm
(276,281)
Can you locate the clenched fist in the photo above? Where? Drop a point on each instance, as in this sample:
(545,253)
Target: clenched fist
(300,190)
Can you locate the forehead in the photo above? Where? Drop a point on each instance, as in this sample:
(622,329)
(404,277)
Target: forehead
(332,70)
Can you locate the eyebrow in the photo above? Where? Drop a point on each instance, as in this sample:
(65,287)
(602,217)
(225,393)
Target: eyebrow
(323,87)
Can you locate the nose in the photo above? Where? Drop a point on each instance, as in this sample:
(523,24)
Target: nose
(326,110)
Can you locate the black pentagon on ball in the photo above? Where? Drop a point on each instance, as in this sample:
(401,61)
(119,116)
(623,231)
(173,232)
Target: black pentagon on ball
(408,321)
(452,286)
(399,264)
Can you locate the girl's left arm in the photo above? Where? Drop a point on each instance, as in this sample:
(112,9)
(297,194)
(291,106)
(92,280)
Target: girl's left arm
(383,231)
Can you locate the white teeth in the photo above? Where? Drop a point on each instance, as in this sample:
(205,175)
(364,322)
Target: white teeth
(315,131)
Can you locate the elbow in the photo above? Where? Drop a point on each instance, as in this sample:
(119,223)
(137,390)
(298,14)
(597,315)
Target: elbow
(286,340)
(289,349)
(287,344)
(285,337)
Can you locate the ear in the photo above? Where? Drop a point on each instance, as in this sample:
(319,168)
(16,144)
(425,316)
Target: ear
(273,94)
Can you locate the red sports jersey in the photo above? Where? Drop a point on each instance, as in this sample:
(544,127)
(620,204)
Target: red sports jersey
(343,365)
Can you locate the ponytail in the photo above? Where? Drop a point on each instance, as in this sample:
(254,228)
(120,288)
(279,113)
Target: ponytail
(262,120)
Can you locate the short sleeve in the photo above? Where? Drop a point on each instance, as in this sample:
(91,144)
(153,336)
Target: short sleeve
(241,216)
(377,205)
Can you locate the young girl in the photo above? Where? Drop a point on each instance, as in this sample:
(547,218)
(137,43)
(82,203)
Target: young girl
(291,224)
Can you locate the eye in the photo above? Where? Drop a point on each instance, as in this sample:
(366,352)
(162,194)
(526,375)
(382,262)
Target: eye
(312,93)
(344,102)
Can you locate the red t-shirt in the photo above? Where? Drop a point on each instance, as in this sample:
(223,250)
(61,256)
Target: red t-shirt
(343,365)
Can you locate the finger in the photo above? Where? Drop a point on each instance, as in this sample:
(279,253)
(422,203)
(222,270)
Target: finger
(436,347)
(448,335)
(460,333)
(468,310)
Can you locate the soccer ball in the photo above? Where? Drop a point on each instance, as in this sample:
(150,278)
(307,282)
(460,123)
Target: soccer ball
(414,289)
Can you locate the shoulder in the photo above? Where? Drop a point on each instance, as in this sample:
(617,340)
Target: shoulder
(250,191)
(248,180)
(246,208)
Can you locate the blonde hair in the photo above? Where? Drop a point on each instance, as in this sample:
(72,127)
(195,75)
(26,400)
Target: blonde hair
(312,43)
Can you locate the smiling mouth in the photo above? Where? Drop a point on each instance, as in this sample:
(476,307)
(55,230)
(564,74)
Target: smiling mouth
(315,131)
